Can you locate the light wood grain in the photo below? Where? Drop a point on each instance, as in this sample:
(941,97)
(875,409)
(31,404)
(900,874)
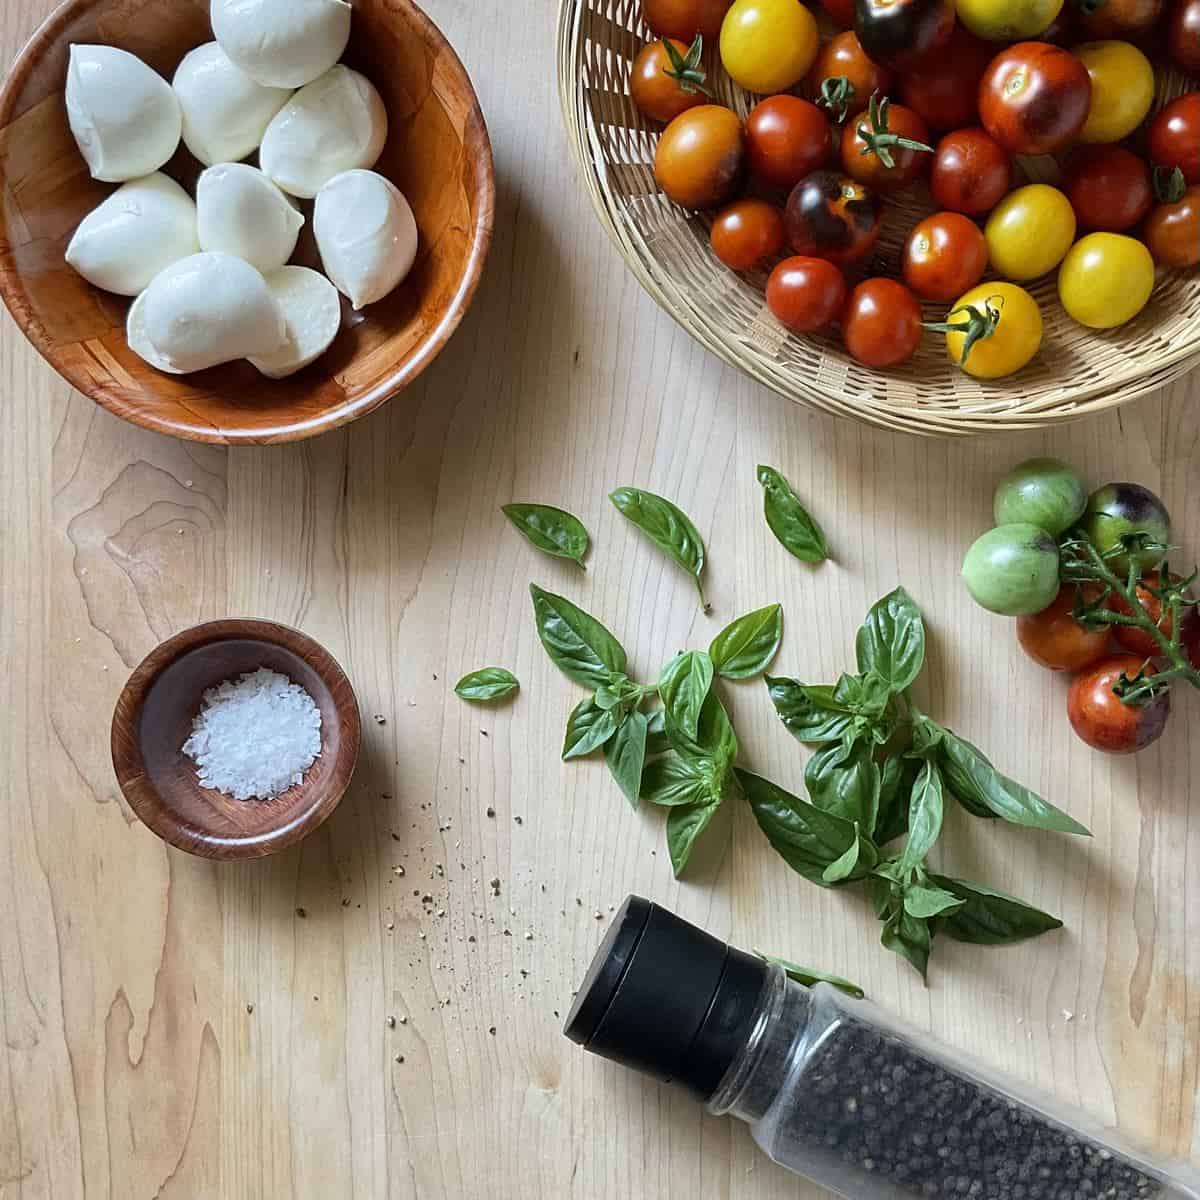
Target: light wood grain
(131,1066)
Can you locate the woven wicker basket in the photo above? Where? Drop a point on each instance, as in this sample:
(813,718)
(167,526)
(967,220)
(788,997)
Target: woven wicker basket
(1078,372)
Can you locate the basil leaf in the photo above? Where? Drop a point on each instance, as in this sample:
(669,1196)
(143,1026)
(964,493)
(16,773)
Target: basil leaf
(714,738)
(909,937)
(789,521)
(809,711)
(745,647)
(925,810)
(657,741)
(490,683)
(684,826)
(581,648)
(974,780)
(897,778)
(845,780)
(836,872)
(626,755)
(808,976)
(671,781)
(990,918)
(588,727)
(684,687)
(609,695)
(807,838)
(925,902)
(891,641)
(667,527)
(551,530)
(927,738)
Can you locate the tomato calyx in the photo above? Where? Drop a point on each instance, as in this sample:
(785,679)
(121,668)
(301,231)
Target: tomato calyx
(976,325)
(878,139)
(1169,184)
(837,94)
(685,69)
(1089,8)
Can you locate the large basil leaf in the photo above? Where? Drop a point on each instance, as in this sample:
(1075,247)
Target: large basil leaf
(667,527)
(789,520)
(909,937)
(990,918)
(684,826)
(925,810)
(891,641)
(845,780)
(808,976)
(551,530)
(487,684)
(625,754)
(684,687)
(670,781)
(974,780)
(581,648)
(808,839)
(745,647)
(895,786)
(809,711)
(588,727)
(925,902)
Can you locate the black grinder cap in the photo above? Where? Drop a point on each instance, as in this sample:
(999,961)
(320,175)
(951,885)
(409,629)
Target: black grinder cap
(666,998)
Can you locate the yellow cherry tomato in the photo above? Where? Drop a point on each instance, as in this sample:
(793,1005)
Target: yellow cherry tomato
(1015,336)
(1029,231)
(1008,20)
(768,46)
(1122,89)
(1106,280)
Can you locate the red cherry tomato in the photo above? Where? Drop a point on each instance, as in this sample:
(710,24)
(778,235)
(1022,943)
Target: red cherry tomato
(971,172)
(1174,137)
(831,216)
(806,294)
(1057,641)
(1138,641)
(1183,36)
(882,323)
(1172,231)
(684,19)
(872,156)
(900,33)
(842,12)
(1120,19)
(786,139)
(1109,187)
(699,157)
(657,93)
(843,70)
(944,256)
(747,232)
(1034,98)
(1105,722)
(944,90)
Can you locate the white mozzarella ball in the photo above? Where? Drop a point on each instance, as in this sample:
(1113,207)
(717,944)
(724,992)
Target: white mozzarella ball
(312,310)
(125,117)
(141,229)
(139,342)
(241,212)
(225,111)
(366,234)
(282,43)
(338,123)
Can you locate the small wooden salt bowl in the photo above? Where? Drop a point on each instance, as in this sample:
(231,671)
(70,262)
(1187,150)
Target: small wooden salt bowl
(153,719)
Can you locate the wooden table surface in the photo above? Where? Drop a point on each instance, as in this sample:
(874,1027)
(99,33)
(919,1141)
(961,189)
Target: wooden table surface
(177,1029)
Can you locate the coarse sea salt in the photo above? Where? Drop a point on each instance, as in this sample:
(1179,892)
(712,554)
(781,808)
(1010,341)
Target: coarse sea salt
(255,736)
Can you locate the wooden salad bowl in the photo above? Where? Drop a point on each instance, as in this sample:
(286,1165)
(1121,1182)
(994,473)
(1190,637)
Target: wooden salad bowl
(153,719)
(437,153)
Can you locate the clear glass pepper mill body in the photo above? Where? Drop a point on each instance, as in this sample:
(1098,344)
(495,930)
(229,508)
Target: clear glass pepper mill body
(836,1091)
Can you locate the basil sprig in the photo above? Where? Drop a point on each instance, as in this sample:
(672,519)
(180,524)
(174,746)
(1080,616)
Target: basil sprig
(668,527)
(552,530)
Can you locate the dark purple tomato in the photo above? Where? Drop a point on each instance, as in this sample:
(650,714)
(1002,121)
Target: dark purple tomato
(831,216)
(899,33)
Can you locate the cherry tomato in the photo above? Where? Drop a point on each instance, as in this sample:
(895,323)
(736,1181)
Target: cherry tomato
(1004,21)
(786,139)
(1174,137)
(1102,720)
(700,156)
(806,294)
(1016,334)
(1118,511)
(683,19)
(1183,36)
(882,323)
(944,91)
(1172,231)
(1034,98)
(1105,280)
(831,216)
(971,172)
(1055,640)
(1108,187)
(1030,231)
(899,33)
(879,147)
(656,89)
(1120,18)
(1138,641)
(768,45)
(843,78)
(944,256)
(842,12)
(1122,90)
(747,232)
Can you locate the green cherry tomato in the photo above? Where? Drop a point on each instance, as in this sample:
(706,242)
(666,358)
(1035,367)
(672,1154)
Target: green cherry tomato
(1121,510)
(1045,492)
(1013,570)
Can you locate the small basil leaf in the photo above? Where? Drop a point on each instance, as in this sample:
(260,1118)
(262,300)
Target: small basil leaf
(809,711)
(745,647)
(789,521)
(897,778)
(551,530)
(670,781)
(667,527)
(581,648)
(927,738)
(845,780)
(714,738)
(874,696)
(588,727)
(843,868)
(925,902)
(925,811)
(625,754)
(684,826)
(974,780)
(609,695)
(808,976)
(891,641)
(684,687)
(990,918)
(490,683)
(909,937)
(657,741)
